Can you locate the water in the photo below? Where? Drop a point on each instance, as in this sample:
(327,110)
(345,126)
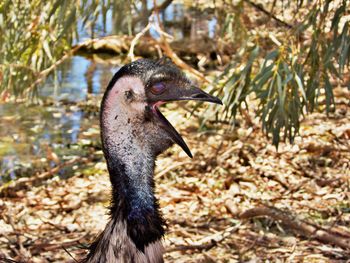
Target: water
(31,133)
(34,137)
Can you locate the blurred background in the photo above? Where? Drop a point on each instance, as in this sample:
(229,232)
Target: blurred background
(271,174)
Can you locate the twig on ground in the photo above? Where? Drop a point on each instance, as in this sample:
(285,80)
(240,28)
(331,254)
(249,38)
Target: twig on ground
(38,248)
(7,260)
(70,254)
(300,227)
(207,242)
(57,226)
(162,173)
(23,183)
(19,237)
(206,246)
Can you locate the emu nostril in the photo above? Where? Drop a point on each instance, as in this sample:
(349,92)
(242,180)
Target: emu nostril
(199,96)
(202,96)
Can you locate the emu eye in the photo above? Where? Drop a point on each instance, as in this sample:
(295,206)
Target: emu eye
(158,88)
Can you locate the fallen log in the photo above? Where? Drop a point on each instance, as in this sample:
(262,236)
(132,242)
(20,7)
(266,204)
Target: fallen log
(146,46)
(117,44)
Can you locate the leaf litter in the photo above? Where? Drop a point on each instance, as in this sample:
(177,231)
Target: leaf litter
(237,200)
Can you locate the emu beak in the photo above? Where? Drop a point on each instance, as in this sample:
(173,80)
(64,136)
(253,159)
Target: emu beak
(188,93)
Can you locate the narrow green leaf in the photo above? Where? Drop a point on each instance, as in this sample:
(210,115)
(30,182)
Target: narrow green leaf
(328,93)
(54,8)
(280,90)
(300,86)
(272,55)
(337,16)
(47,49)
(264,75)
(69,22)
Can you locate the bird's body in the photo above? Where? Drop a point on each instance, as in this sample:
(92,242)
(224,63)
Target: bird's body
(115,246)
(133,133)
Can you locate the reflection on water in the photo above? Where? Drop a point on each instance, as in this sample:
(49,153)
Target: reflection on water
(75,79)
(30,133)
(180,20)
(183,23)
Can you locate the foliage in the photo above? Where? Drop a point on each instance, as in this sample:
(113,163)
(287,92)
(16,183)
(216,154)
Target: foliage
(289,67)
(35,34)
(295,76)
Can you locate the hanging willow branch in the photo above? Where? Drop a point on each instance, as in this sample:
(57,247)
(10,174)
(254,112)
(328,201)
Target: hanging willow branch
(295,76)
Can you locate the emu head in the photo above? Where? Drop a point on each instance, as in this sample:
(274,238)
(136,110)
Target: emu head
(130,113)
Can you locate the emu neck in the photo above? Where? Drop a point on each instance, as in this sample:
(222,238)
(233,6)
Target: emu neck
(131,167)
(136,227)
(131,176)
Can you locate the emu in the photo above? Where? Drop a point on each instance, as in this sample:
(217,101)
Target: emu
(134,132)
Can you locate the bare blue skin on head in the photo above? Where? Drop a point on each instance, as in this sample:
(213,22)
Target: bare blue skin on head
(134,133)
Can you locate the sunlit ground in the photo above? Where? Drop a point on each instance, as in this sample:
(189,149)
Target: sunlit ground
(202,198)
(238,200)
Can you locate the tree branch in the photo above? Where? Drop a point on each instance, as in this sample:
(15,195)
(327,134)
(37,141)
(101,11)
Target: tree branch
(208,242)
(260,8)
(156,8)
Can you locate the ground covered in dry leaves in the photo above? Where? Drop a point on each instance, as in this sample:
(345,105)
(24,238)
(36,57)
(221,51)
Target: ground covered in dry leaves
(237,200)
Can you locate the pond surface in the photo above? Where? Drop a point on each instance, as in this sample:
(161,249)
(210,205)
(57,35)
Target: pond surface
(32,134)
(37,136)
